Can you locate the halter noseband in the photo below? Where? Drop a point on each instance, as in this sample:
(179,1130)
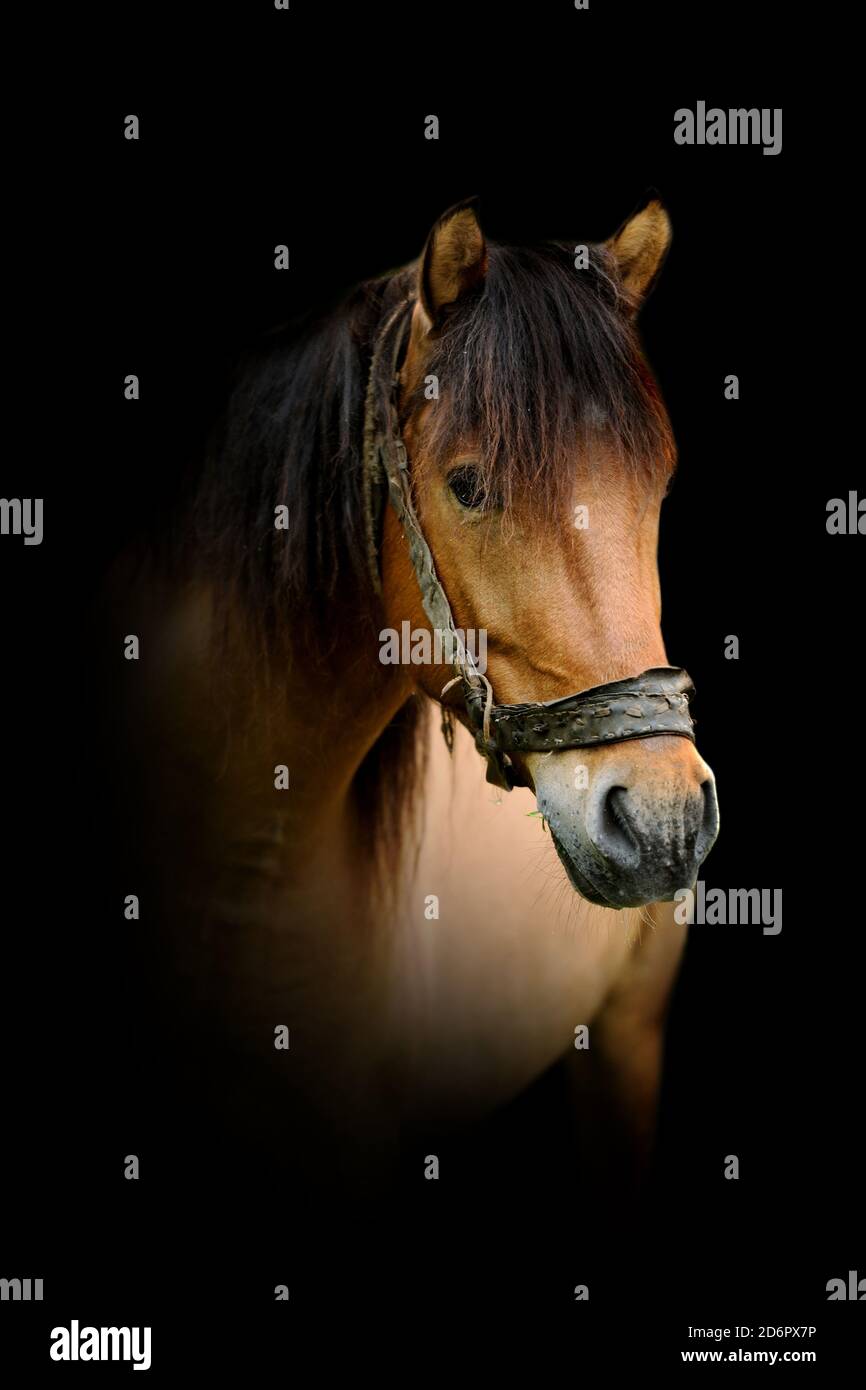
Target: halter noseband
(653,703)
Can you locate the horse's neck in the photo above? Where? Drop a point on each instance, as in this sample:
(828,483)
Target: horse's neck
(226,733)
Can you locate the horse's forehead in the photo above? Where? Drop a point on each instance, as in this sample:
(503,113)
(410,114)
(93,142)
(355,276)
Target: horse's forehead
(598,461)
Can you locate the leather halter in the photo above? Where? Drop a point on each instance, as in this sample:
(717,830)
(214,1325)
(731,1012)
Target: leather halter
(653,703)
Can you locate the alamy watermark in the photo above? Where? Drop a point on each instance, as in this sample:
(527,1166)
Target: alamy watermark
(22,516)
(76,1343)
(439,647)
(847,518)
(21,1290)
(734,907)
(741,126)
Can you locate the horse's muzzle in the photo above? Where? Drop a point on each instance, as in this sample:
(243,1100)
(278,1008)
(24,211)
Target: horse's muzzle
(630,839)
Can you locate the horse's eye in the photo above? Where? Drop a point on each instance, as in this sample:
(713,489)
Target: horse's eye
(465,483)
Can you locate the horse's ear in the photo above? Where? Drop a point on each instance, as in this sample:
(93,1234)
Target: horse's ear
(639,248)
(454,261)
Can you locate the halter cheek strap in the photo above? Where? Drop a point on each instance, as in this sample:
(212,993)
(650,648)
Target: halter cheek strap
(654,703)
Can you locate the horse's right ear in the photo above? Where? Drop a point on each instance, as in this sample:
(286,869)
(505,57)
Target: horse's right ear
(454,261)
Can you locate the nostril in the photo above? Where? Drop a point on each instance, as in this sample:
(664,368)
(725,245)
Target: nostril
(613,831)
(710,821)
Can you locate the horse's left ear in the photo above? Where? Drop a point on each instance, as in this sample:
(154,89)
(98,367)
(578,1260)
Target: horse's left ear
(639,249)
(454,261)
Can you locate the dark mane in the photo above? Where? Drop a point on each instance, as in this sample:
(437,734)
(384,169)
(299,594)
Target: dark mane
(291,435)
(541,360)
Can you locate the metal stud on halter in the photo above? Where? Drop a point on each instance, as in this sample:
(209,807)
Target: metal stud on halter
(651,704)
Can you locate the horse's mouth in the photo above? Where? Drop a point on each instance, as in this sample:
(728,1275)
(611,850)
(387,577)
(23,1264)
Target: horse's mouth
(579,882)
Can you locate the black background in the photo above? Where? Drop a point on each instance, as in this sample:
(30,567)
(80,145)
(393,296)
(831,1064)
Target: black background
(156,257)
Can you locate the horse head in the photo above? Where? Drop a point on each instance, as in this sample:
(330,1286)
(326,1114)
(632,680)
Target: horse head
(539,455)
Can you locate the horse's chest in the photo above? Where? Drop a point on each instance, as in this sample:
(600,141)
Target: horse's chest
(496,961)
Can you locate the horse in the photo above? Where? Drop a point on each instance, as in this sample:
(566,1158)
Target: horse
(356,939)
